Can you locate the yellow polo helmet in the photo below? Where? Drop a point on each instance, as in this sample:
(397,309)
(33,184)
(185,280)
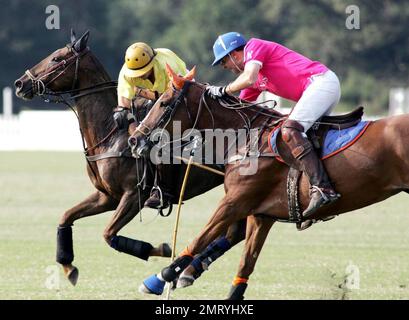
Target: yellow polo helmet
(138,59)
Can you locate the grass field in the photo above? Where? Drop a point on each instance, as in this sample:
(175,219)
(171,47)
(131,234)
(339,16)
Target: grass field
(37,187)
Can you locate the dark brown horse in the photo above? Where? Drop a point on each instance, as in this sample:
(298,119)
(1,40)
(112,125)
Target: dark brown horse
(74,73)
(377,165)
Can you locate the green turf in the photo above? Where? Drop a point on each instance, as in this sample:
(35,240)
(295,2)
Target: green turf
(36,188)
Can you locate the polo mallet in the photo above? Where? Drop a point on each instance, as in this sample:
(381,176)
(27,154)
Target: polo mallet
(182,192)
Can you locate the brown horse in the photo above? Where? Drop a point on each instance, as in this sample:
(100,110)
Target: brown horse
(378,162)
(75,72)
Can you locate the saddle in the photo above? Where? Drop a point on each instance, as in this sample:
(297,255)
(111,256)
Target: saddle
(317,133)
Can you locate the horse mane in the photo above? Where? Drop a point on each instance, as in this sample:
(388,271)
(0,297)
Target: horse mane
(104,74)
(97,108)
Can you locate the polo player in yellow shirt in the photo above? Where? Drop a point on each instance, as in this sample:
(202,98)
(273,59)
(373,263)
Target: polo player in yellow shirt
(144,74)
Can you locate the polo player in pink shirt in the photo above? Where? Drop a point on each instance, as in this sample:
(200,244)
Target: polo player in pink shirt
(268,66)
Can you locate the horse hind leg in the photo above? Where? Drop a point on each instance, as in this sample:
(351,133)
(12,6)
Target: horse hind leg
(96,203)
(258,227)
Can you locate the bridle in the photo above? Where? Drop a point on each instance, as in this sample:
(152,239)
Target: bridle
(40,88)
(169,112)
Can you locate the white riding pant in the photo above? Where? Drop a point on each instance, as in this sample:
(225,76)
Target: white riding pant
(319,99)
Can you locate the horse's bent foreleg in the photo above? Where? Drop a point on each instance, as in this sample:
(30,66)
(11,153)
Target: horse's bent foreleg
(228,212)
(127,209)
(97,202)
(258,227)
(235,234)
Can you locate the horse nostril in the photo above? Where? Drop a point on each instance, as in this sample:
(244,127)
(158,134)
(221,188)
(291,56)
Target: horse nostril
(18,84)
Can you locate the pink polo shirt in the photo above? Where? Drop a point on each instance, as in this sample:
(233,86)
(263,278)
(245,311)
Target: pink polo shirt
(283,72)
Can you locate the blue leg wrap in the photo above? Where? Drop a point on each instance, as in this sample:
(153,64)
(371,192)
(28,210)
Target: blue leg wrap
(214,251)
(154,284)
(176,267)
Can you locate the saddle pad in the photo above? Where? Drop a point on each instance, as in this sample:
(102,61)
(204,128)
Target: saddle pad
(335,141)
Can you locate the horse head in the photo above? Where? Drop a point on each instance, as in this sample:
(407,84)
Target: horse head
(162,112)
(56,73)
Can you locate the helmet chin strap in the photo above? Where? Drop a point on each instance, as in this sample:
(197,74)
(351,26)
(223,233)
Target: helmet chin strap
(235,64)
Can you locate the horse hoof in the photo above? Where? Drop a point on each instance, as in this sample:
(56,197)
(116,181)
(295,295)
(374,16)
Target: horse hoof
(165,250)
(185,281)
(152,285)
(237,292)
(73,276)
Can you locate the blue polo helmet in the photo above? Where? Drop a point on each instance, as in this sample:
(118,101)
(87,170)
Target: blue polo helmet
(225,44)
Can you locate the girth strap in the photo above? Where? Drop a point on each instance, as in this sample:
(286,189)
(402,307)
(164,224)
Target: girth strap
(294,210)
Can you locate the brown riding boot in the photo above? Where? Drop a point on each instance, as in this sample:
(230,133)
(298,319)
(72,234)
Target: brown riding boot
(154,201)
(321,190)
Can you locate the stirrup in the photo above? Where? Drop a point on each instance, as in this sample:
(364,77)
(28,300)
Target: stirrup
(160,195)
(323,194)
(325,199)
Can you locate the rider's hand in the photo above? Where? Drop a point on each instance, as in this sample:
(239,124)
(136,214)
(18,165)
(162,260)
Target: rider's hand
(216,92)
(123,117)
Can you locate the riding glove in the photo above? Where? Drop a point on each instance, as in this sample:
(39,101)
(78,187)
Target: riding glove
(123,117)
(216,92)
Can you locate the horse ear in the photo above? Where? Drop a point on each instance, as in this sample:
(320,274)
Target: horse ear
(73,37)
(170,72)
(81,43)
(191,74)
(177,81)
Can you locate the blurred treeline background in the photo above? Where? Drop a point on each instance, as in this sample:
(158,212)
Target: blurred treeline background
(369,61)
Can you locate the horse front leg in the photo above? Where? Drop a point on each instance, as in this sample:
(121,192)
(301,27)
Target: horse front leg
(96,203)
(127,209)
(258,227)
(229,211)
(235,234)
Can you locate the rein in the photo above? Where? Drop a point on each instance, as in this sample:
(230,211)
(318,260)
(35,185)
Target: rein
(230,104)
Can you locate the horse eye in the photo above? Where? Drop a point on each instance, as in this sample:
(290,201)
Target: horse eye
(55,59)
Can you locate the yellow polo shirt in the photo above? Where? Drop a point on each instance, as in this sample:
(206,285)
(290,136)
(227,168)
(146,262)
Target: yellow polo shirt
(127,85)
